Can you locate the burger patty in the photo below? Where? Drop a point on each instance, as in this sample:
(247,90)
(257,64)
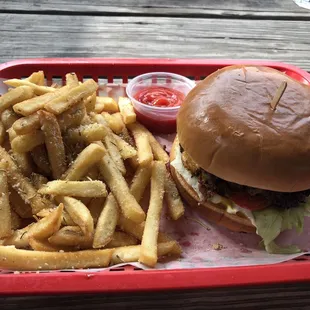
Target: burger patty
(210,185)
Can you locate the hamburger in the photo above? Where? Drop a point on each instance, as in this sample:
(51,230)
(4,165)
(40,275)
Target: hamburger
(242,152)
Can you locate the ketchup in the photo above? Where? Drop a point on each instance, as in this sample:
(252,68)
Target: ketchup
(159,96)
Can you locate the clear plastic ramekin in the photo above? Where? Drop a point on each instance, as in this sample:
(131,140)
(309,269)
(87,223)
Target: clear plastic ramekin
(158,119)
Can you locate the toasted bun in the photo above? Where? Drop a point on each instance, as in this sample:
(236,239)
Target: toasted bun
(227,126)
(212,212)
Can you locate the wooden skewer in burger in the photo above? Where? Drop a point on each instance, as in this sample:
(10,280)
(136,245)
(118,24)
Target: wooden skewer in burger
(242,151)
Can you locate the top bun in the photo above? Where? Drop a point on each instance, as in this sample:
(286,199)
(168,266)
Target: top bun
(226,124)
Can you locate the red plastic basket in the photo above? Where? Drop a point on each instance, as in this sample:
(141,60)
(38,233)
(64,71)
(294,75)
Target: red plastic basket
(130,278)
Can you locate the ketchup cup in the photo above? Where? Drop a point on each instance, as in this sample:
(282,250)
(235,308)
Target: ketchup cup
(158,119)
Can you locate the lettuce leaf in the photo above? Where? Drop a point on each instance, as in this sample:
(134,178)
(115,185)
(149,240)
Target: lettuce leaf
(270,222)
(273,248)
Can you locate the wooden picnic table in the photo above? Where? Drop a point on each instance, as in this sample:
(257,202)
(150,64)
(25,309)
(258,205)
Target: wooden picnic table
(240,29)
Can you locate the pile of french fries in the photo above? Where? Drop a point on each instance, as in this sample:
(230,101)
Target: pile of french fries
(74,168)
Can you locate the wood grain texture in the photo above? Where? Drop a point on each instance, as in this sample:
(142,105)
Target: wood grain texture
(261,8)
(102,36)
(284,297)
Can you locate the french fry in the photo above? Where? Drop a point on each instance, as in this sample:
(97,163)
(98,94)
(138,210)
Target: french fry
(120,238)
(66,219)
(126,109)
(125,135)
(22,159)
(30,106)
(72,117)
(74,188)
(173,199)
(86,120)
(114,121)
(12,134)
(40,158)
(21,184)
(145,155)
(125,149)
(5,209)
(99,106)
(119,120)
(72,80)
(37,89)
(118,186)
(36,78)
(114,153)
(38,180)
(85,160)
(95,207)
(140,181)
(99,119)
(148,254)
(90,102)
(128,254)
(71,236)
(16,221)
(54,143)
(65,142)
(48,225)
(42,229)
(176,250)
(73,96)
(45,246)
(79,214)
(8,117)
(18,204)
(19,238)
(16,259)
(27,124)
(159,153)
(2,133)
(14,96)
(27,142)
(136,230)
(88,133)
(131,227)
(23,162)
(44,212)
(106,223)
(106,104)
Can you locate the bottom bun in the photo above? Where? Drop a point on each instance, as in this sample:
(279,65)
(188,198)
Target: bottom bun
(212,212)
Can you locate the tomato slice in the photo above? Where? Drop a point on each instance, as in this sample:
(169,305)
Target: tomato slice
(247,201)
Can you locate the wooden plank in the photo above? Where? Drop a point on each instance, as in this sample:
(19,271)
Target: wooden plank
(284,297)
(276,9)
(102,36)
